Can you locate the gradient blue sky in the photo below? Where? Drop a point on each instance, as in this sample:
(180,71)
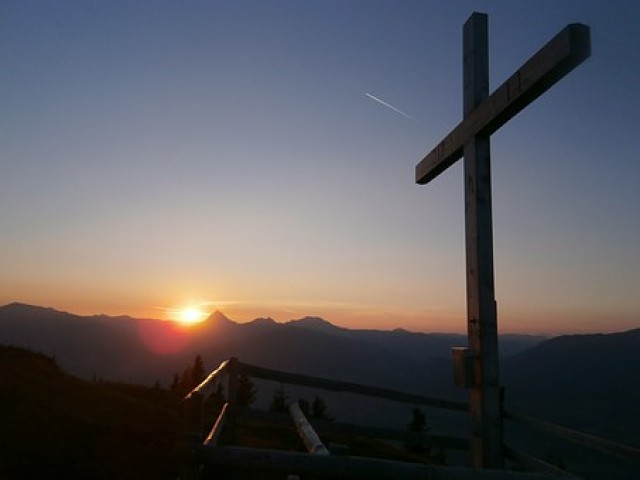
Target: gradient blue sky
(157,154)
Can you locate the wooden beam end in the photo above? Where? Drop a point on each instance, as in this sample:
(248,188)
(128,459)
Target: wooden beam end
(425,173)
(580,39)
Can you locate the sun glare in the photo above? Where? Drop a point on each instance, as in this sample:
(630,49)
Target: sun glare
(190,316)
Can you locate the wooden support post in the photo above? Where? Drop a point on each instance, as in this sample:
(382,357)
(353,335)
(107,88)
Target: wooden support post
(232,400)
(193,416)
(306,432)
(192,410)
(484,397)
(214,434)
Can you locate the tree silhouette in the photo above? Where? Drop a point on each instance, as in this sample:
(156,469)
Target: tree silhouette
(319,409)
(198,372)
(416,426)
(246,391)
(190,378)
(418,421)
(175,383)
(305,407)
(279,401)
(416,443)
(214,403)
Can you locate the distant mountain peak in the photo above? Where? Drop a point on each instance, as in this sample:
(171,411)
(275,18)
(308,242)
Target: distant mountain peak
(25,308)
(219,318)
(402,331)
(262,321)
(313,323)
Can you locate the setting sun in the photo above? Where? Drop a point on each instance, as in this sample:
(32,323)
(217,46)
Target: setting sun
(191,316)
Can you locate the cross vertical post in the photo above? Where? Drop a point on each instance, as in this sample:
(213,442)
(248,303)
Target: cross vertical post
(484,396)
(477,366)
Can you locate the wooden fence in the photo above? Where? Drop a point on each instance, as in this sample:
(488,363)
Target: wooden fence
(613,449)
(209,454)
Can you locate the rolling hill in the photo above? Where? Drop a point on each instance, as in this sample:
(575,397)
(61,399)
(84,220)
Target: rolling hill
(590,382)
(55,425)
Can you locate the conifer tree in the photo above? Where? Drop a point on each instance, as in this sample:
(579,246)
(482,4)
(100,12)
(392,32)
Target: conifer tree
(214,403)
(279,401)
(175,384)
(305,407)
(190,378)
(319,409)
(198,372)
(418,421)
(246,391)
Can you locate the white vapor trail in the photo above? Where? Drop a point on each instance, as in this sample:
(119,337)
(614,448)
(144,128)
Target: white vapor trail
(397,110)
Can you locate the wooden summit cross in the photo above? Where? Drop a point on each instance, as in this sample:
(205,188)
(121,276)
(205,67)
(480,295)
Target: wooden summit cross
(477,366)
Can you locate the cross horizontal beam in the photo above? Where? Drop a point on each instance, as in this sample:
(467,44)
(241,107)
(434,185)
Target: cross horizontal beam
(559,56)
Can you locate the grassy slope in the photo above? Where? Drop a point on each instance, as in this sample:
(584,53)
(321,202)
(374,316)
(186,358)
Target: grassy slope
(57,426)
(54,425)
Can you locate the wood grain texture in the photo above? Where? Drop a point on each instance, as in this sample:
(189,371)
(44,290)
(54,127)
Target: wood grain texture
(551,63)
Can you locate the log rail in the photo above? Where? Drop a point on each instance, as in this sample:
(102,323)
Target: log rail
(208,451)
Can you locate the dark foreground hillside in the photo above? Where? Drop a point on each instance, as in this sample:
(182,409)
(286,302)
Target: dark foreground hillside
(57,426)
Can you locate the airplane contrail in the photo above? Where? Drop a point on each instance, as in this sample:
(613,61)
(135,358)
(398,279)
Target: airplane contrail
(397,110)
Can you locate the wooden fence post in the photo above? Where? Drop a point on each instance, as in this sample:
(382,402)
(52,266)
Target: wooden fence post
(232,400)
(193,414)
(306,432)
(193,423)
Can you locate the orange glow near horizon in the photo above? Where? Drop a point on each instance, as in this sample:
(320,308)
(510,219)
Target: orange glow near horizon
(190,316)
(181,313)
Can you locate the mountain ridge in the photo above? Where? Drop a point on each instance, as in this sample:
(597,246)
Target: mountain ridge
(590,382)
(94,345)
(309,322)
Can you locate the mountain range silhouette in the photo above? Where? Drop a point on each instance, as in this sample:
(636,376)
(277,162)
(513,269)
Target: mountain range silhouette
(590,382)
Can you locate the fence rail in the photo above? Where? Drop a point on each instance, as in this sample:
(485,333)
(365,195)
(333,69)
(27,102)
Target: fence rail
(535,464)
(206,386)
(326,465)
(246,416)
(343,467)
(216,431)
(338,386)
(607,446)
